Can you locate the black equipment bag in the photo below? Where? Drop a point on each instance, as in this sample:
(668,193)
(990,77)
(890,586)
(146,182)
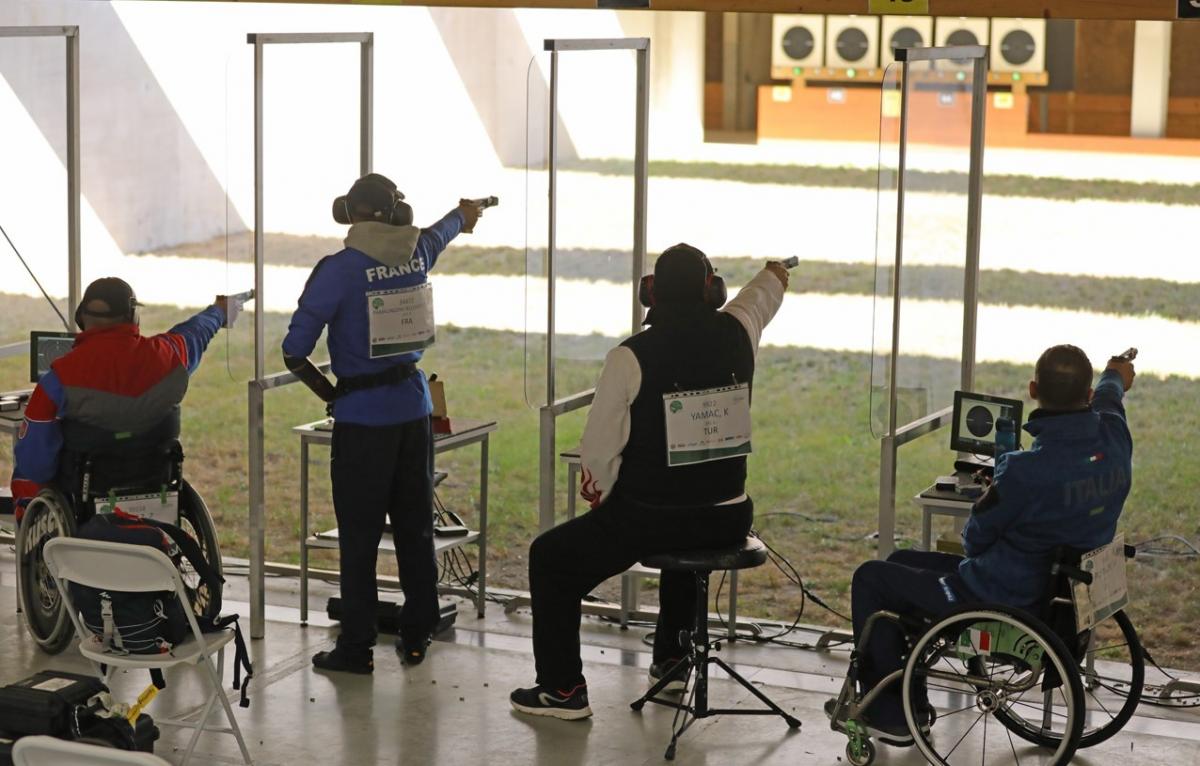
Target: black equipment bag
(118,733)
(51,702)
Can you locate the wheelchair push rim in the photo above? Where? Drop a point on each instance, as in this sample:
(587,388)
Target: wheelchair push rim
(45,615)
(1112,670)
(974,662)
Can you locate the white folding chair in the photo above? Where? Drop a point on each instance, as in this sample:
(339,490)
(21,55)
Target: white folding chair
(126,568)
(48,751)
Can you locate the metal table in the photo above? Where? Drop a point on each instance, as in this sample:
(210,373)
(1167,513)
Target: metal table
(465,433)
(936,502)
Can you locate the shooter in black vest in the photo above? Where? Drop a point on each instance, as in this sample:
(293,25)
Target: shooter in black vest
(656,476)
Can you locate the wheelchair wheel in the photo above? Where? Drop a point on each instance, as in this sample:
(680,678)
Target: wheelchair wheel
(47,516)
(1112,670)
(195,519)
(976,661)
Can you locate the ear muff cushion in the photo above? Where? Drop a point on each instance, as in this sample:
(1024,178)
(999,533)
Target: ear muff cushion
(341,210)
(402,214)
(715,293)
(646,291)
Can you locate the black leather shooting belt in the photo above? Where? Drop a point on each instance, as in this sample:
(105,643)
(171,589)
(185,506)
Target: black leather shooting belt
(392,375)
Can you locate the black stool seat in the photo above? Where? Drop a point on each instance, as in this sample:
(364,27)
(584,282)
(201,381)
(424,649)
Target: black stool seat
(749,554)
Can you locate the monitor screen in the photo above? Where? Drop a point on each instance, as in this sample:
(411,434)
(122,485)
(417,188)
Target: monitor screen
(44,348)
(973,426)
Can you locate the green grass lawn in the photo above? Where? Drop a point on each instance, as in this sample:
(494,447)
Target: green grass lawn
(1126,296)
(814,457)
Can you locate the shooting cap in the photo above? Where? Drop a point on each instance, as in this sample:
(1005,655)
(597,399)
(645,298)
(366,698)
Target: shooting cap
(114,293)
(372,196)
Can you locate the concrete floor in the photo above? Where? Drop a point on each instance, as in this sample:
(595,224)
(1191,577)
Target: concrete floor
(454,708)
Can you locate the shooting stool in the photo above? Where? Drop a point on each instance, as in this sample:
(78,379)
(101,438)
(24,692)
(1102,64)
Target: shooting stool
(693,668)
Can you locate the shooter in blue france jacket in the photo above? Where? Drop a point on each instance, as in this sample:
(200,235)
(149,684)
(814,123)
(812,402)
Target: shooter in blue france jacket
(377,256)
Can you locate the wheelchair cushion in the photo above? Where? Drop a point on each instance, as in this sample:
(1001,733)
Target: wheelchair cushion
(746,555)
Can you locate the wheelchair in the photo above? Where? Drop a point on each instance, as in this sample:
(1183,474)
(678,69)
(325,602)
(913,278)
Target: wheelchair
(1035,676)
(84,477)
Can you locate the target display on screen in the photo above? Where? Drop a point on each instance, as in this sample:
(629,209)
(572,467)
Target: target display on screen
(973,425)
(798,43)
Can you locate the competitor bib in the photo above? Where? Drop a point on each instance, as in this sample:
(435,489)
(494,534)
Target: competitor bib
(702,426)
(160,506)
(400,320)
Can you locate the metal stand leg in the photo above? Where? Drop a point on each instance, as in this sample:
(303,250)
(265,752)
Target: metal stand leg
(694,667)
(303,532)
(481,598)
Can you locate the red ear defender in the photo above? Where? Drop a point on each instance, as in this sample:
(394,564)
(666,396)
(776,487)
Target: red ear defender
(646,291)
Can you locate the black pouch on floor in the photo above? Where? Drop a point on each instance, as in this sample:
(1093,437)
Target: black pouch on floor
(121,735)
(6,746)
(47,703)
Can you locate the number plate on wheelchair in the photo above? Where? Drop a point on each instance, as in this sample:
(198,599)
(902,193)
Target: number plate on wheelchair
(1107,592)
(158,506)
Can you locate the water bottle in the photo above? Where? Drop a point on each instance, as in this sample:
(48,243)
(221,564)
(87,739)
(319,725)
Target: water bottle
(1006,436)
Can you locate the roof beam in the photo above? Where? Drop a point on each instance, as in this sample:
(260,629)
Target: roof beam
(1051,9)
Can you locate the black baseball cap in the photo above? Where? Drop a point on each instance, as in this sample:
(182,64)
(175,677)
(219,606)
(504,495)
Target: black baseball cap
(114,293)
(372,194)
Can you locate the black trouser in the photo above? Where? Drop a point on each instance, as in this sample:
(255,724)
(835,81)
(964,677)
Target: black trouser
(567,562)
(384,472)
(912,583)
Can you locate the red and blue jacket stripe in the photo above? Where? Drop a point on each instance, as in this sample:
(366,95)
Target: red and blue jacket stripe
(113,378)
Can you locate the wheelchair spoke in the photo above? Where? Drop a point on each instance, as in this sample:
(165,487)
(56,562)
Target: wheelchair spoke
(1016,758)
(964,736)
(1092,694)
(943,716)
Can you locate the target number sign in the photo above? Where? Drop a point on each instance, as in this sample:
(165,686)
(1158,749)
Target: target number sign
(899,7)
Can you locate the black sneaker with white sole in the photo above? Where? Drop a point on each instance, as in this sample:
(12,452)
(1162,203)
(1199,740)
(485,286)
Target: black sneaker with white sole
(568,705)
(659,669)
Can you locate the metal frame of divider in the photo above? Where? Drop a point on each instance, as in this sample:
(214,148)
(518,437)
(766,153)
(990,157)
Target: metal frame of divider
(554,406)
(262,382)
(899,434)
(70,36)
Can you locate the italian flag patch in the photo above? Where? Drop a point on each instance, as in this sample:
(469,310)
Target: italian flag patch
(981,640)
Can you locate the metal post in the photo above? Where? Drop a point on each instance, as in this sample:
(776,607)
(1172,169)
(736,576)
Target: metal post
(74,278)
(546,435)
(258,509)
(366,89)
(640,175)
(552,212)
(256,426)
(258,387)
(887,465)
(974,210)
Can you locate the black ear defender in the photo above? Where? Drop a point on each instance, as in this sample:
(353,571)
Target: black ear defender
(377,193)
(715,291)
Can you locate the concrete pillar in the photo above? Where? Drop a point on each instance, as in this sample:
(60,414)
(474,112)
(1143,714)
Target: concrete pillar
(1151,79)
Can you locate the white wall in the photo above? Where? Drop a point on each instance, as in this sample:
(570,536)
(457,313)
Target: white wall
(166,108)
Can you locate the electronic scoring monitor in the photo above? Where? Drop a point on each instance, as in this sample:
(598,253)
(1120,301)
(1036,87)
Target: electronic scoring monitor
(44,348)
(973,426)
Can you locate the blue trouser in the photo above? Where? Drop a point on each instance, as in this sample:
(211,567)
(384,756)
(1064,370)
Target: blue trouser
(908,583)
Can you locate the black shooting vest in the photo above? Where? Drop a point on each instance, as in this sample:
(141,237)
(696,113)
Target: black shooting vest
(687,348)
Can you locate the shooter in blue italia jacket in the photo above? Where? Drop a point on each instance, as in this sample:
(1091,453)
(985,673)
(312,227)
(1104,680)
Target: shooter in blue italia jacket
(1067,490)
(375,299)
